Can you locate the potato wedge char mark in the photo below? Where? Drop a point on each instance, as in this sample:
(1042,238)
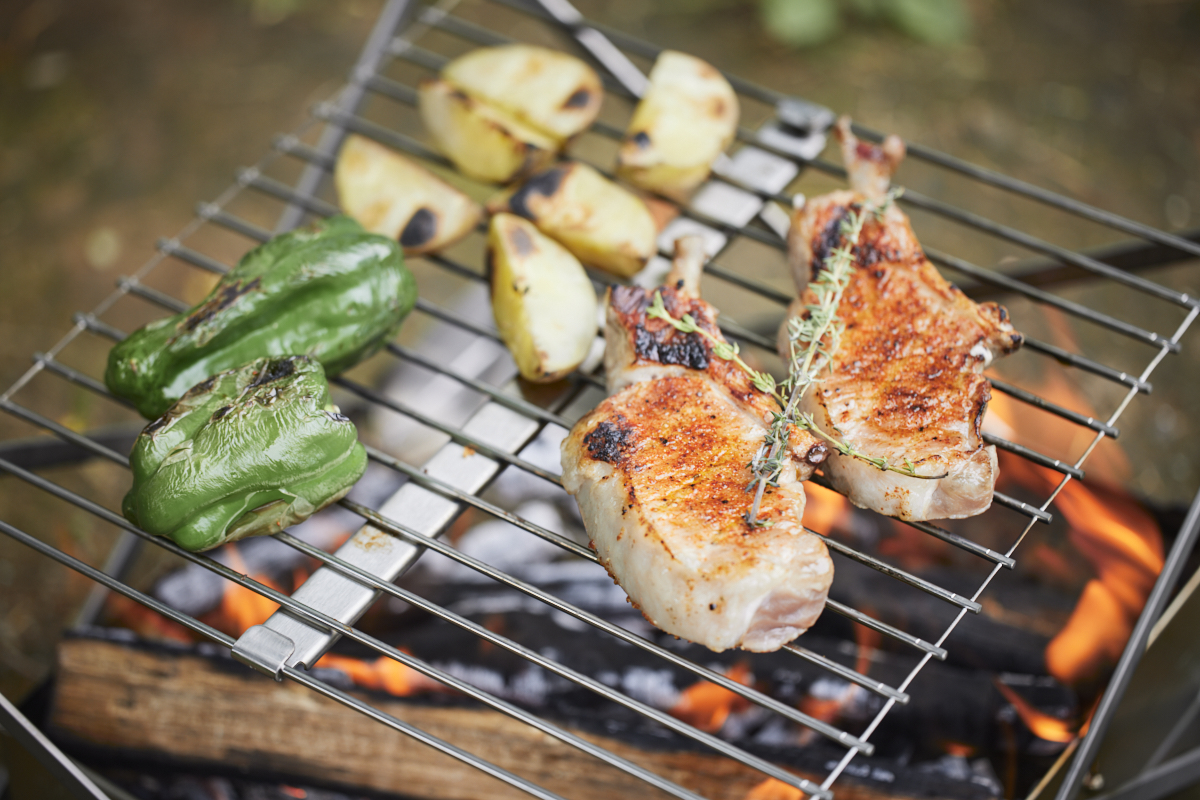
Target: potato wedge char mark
(543,301)
(687,117)
(603,224)
(396,197)
(485,142)
(549,91)
(500,113)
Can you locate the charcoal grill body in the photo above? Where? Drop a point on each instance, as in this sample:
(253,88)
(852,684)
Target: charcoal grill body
(738,202)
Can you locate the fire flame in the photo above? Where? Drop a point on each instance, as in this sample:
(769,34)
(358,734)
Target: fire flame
(241,607)
(1048,434)
(383,674)
(1113,533)
(1042,724)
(824,509)
(145,622)
(774,789)
(829,709)
(706,706)
(1123,544)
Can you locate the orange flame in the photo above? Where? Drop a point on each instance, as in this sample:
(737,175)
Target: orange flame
(824,509)
(775,789)
(1124,546)
(1114,534)
(241,607)
(145,622)
(1046,433)
(1042,724)
(383,674)
(706,706)
(958,749)
(867,640)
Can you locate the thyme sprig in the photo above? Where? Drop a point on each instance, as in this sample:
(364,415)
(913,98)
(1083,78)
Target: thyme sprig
(812,341)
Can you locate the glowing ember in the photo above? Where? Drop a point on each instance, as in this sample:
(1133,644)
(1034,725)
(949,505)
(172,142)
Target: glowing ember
(706,706)
(774,789)
(958,749)
(383,674)
(827,706)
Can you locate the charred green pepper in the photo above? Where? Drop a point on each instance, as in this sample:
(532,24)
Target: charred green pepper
(332,291)
(244,453)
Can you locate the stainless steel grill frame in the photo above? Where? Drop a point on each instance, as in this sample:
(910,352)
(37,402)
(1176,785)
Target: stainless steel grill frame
(436,492)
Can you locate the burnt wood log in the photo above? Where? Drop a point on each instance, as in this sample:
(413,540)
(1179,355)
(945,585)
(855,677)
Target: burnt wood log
(117,702)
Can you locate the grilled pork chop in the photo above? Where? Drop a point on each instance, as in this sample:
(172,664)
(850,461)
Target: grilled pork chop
(660,470)
(906,380)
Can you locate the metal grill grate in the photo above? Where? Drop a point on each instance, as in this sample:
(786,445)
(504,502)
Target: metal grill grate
(380,106)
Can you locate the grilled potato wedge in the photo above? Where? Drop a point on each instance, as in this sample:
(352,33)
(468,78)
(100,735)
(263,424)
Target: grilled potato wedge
(601,223)
(683,122)
(550,91)
(544,304)
(484,141)
(397,197)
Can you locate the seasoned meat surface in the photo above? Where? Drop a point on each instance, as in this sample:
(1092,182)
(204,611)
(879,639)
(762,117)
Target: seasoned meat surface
(660,470)
(906,380)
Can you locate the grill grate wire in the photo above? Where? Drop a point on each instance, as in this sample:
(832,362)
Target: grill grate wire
(340,116)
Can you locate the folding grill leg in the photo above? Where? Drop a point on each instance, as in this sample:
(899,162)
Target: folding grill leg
(1176,774)
(63,768)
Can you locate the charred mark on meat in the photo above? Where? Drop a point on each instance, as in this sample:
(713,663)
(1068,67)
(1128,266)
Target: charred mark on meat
(420,229)
(830,238)
(901,399)
(223,299)
(544,183)
(981,404)
(579,99)
(668,347)
(866,254)
(608,440)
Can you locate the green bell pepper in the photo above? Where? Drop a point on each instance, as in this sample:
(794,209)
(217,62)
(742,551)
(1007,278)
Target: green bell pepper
(333,292)
(246,452)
